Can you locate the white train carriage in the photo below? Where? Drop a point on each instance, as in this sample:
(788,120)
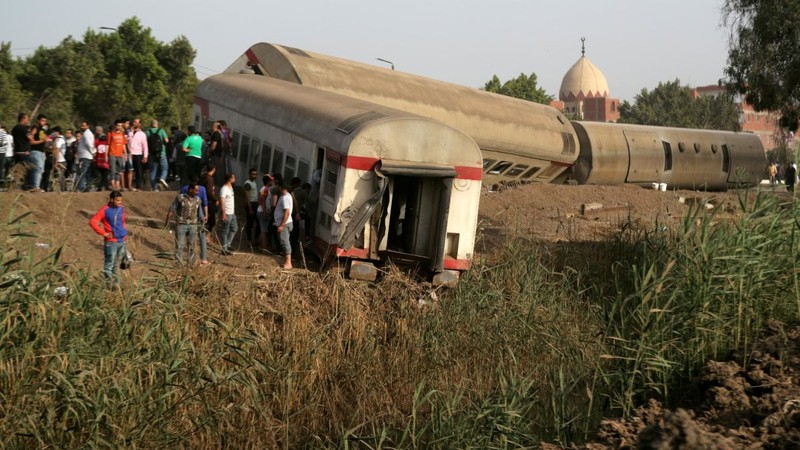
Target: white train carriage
(392,185)
(680,157)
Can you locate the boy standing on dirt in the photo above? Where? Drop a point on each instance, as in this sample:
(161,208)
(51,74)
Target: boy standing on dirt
(109,222)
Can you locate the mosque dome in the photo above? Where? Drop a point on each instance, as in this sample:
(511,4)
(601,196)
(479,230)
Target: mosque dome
(583,80)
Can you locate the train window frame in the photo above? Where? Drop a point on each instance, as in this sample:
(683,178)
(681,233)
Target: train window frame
(289,166)
(236,137)
(488,163)
(244,148)
(303,169)
(266,157)
(277,161)
(531,172)
(500,167)
(255,154)
(517,170)
(697,147)
(667,155)
(331,178)
(726,159)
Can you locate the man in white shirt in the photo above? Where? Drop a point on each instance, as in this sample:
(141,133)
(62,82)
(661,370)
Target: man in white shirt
(4,147)
(229,223)
(85,155)
(283,220)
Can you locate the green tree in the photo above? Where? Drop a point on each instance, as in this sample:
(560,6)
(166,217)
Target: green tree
(524,87)
(14,99)
(763,59)
(105,76)
(672,105)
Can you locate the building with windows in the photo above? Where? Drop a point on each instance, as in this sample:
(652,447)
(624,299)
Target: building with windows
(764,124)
(585,94)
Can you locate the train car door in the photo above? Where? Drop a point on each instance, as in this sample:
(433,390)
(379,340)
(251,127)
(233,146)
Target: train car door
(412,224)
(648,157)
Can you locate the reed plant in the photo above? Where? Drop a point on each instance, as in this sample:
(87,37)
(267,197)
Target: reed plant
(527,348)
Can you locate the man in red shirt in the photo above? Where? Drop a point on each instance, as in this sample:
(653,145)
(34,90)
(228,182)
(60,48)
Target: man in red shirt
(117,155)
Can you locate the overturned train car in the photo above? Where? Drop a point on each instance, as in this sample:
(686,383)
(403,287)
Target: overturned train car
(519,139)
(526,142)
(392,185)
(680,157)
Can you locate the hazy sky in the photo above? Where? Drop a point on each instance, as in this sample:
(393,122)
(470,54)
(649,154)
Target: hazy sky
(636,43)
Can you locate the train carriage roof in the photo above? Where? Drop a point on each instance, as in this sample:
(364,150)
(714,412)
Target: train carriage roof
(337,122)
(496,122)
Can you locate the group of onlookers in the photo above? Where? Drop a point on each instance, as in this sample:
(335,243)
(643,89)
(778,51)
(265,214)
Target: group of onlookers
(778,174)
(115,158)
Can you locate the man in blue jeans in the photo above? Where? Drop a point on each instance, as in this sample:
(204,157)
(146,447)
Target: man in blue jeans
(159,165)
(186,209)
(229,223)
(109,222)
(38,138)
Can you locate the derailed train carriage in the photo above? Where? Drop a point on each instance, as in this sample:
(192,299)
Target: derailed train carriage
(680,157)
(392,185)
(526,142)
(520,140)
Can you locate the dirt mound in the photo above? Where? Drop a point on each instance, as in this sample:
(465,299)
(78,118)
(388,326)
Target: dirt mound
(752,406)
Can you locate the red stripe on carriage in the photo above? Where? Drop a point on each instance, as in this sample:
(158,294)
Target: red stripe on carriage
(369,163)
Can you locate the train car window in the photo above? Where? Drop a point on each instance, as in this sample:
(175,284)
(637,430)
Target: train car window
(531,172)
(714,148)
(277,161)
(667,155)
(331,178)
(516,170)
(488,163)
(244,148)
(289,167)
(568,142)
(500,167)
(236,137)
(266,157)
(726,159)
(303,168)
(697,148)
(255,154)
(681,147)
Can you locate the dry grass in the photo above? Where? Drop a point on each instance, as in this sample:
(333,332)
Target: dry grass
(519,352)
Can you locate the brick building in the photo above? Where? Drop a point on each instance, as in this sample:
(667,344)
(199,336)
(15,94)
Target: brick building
(764,124)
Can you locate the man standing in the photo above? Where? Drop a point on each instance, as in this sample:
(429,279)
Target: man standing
(156,144)
(791,176)
(177,159)
(193,150)
(117,155)
(207,180)
(22,146)
(85,154)
(109,222)
(251,229)
(229,223)
(283,220)
(186,209)
(38,138)
(137,146)
(215,152)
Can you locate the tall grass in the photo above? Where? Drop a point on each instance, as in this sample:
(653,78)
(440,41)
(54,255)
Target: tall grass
(524,350)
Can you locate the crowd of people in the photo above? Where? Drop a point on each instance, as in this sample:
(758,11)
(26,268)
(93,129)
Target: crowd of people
(128,157)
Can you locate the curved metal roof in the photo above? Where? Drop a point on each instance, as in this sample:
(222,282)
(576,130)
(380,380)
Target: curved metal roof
(495,122)
(334,120)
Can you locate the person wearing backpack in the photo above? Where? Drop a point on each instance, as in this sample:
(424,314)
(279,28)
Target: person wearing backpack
(159,165)
(186,208)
